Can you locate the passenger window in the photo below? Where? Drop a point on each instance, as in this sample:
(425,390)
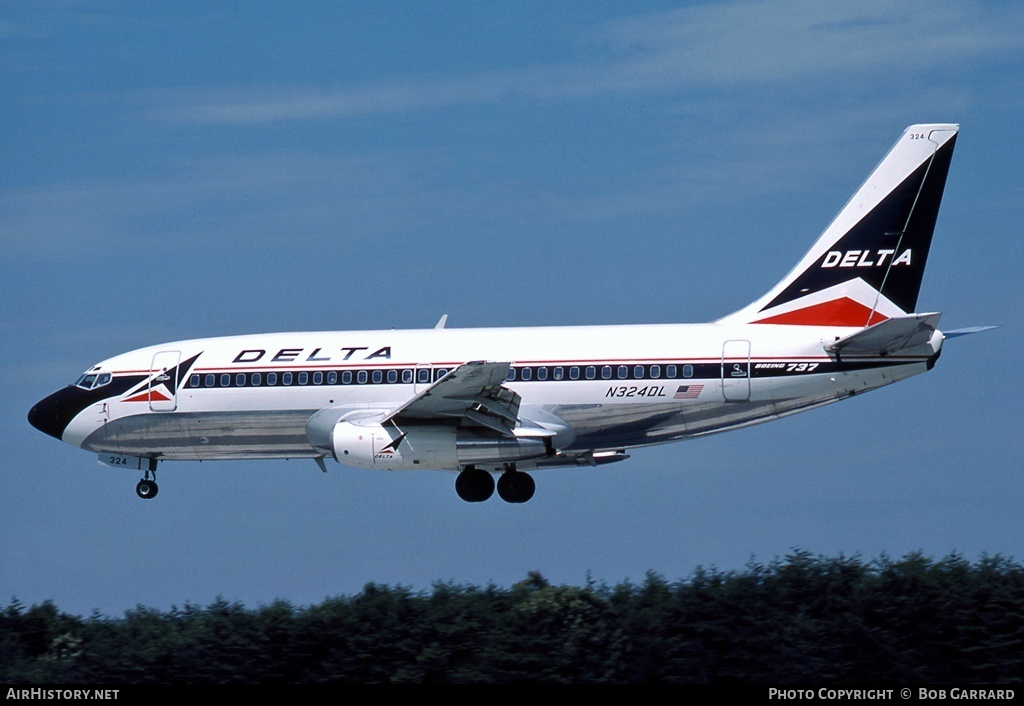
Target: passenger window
(638,372)
(557,373)
(303,378)
(225,380)
(256,379)
(211,380)
(542,373)
(423,375)
(526,373)
(271,378)
(392,376)
(574,372)
(286,378)
(240,380)
(511,374)
(377,377)
(193,381)
(332,378)
(623,372)
(606,372)
(361,377)
(655,371)
(591,372)
(407,376)
(318,378)
(687,371)
(670,371)
(346,377)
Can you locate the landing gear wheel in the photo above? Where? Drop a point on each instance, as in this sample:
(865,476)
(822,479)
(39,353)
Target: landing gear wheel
(146,489)
(516,486)
(474,485)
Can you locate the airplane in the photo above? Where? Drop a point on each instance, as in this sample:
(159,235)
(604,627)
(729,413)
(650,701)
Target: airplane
(509,401)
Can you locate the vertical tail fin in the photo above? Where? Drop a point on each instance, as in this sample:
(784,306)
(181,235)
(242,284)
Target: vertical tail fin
(868,264)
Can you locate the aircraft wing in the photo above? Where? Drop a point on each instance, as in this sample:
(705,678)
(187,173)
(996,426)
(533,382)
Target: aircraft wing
(473,391)
(888,336)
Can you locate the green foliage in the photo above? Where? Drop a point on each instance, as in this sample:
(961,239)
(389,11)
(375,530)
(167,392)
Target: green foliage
(801,619)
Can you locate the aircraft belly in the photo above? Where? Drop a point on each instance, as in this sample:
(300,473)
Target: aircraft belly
(607,425)
(208,435)
(614,424)
(644,422)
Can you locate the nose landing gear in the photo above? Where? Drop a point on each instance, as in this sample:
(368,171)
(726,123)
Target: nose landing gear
(147,487)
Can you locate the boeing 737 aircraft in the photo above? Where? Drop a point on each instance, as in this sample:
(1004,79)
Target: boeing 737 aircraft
(504,402)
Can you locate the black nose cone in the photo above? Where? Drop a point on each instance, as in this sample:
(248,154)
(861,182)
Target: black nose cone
(52,414)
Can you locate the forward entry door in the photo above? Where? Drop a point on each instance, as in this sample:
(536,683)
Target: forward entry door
(163,381)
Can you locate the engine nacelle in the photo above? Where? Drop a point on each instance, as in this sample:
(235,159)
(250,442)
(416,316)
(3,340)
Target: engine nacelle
(420,447)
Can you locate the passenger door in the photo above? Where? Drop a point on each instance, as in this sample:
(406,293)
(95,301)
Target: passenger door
(736,370)
(163,381)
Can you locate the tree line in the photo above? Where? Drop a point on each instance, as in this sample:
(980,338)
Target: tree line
(800,619)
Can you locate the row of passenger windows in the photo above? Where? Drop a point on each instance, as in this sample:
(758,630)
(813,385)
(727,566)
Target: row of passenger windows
(319,377)
(606,372)
(428,375)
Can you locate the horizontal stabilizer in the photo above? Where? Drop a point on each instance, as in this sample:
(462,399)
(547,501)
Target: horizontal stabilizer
(889,336)
(967,331)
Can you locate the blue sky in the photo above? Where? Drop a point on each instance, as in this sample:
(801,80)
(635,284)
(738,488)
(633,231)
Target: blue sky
(178,170)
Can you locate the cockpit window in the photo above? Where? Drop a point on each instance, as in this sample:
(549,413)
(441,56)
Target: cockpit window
(91,380)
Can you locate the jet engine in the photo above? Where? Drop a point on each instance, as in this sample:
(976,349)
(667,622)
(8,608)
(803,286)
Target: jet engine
(412,447)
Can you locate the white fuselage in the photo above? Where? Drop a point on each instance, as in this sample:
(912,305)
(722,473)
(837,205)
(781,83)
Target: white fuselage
(613,387)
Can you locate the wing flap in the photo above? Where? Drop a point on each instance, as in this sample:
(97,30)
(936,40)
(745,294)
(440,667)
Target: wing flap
(473,391)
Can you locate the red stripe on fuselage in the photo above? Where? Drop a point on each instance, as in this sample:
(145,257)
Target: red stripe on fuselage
(838,312)
(149,396)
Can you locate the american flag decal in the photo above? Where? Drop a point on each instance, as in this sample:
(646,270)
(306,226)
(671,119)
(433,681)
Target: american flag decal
(687,392)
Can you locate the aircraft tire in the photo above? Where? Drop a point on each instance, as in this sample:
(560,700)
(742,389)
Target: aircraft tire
(146,489)
(474,485)
(516,487)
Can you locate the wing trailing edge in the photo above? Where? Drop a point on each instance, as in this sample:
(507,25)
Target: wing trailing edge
(473,392)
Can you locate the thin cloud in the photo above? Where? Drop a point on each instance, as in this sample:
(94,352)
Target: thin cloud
(716,45)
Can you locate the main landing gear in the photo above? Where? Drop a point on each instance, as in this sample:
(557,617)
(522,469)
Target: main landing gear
(474,485)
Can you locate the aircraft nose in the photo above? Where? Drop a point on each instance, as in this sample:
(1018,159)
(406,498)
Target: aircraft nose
(51,415)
